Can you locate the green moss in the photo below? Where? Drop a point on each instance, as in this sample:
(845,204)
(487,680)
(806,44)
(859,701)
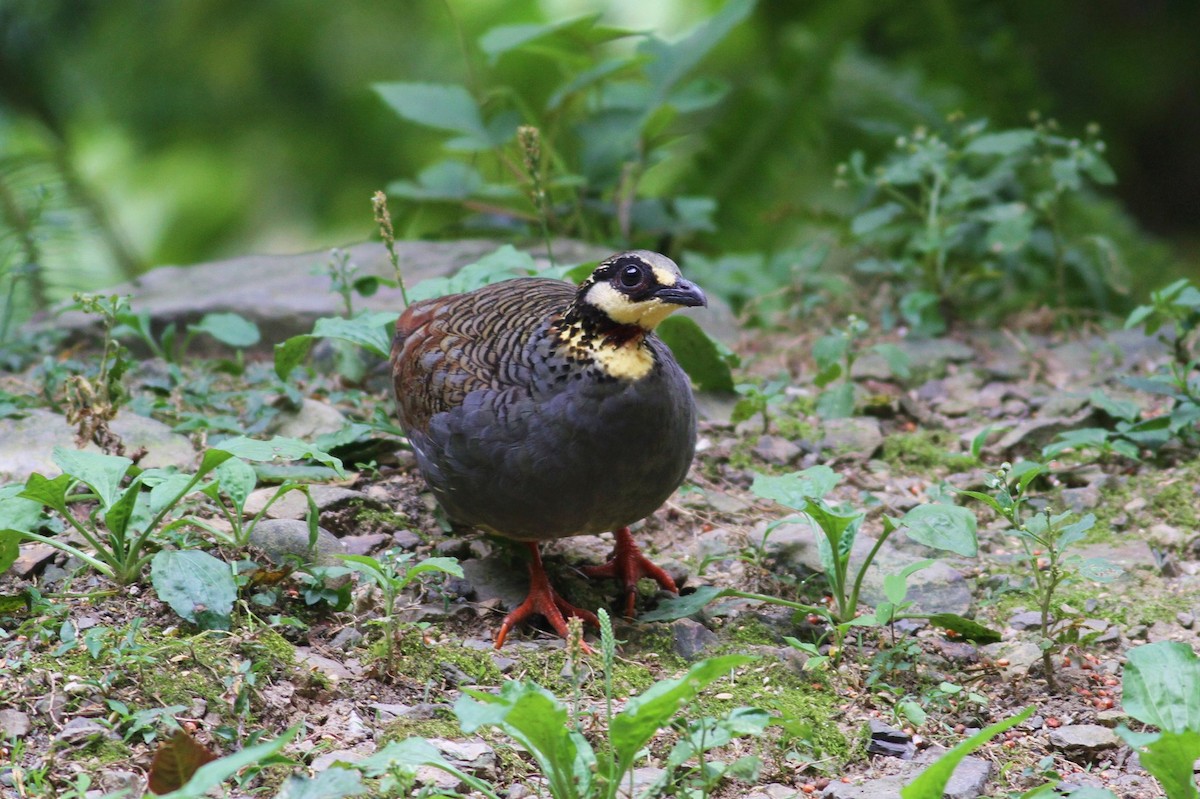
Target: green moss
(749,631)
(376,518)
(105,751)
(404,728)
(925,449)
(422,663)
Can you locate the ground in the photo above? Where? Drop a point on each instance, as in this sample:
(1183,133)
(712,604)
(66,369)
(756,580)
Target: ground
(87,666)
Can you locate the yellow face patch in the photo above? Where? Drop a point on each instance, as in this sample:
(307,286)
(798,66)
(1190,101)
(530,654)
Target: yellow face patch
(646,314)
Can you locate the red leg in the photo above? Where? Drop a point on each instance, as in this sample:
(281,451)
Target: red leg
(628,565)
(543,600)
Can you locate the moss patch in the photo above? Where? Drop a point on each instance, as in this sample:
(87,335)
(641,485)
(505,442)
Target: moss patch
(926,449)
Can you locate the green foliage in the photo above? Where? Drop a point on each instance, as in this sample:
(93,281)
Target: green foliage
(970,222)
(211,775)
(945,527)
(931,783)
(197,586)
(391,576)
(835,354)
(1045,539)
(611,131)
(1129,434)
(129,507)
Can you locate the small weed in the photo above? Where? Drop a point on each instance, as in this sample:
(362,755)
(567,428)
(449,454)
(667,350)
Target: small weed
(835,355)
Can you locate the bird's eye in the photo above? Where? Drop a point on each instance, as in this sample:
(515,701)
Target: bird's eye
(631,276)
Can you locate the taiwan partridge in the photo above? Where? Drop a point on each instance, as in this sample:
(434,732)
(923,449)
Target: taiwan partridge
(538,410)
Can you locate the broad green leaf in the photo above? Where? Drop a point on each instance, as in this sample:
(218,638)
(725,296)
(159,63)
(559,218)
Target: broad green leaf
(166,491)
(680,607)
(288,449)
(795,489)
(965,628)
(441,106)
(101,473)
(443,565)
(947,527)
(290,353)
(117,517)
(1161,686)
(1099,570)
(1005,142)
(875,218)
(10,548)
(504,263)
(18,512)
(569,35)
(413,752)
(52,493)
(707,362)
(197,586)
(236,479)
(644,715)
(931,782)
(228,328)
(897,359)
(1170,757)
(213,774)
(332,783)
(450,181)
(370,330)
(538,721)
(671,62)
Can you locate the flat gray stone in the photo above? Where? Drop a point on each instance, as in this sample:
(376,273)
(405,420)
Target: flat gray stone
(285,294)
(287,539)
(856,436)
(1084,742)
(312,419)
(690,638)
(27,443)
(14,723)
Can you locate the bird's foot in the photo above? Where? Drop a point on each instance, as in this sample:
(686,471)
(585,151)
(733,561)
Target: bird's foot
(544,601)
(628,565)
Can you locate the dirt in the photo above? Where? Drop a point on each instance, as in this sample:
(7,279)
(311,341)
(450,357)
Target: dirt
(287,661)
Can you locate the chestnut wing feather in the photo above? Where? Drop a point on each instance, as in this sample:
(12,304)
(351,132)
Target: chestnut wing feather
(447,347)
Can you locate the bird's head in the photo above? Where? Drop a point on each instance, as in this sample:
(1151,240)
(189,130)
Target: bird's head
(638,289)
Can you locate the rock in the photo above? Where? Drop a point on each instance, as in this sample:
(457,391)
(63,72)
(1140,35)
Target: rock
(690,638)
(643,778)
(284,539)
(1081,499)
(1111,718)
(889,741)
(285,294)
(1083,743)
(725,503)
(1186,620)
(390,711)
(777,450)
(496,579)
(1166,536)
(31,557)
(328,760)
(967,782)
(1037,433)
(856,436)
(120,781)
(773,790)
(970,776)
(1026,620)
(14,724)
(80,729)
(27,443)
(334,670)
(474,757)
(406,539)
(365,544)
(293,505)
(311,419)
(1021,655)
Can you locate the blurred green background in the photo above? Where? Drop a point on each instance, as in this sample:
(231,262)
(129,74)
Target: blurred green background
(136,133)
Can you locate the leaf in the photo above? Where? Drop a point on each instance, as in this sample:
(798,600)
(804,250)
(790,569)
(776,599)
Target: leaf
(441,106)
(228,328)
(236,479)
(288,449)
(197,586)
(795,489)
(931,782)
(966,628)
(1161,686)
(1099,570)
(101,473)
(175,762)
(947,527)
(670,62)
(679,607)
(1170,757)
(289,354)
(212,774)
(442,565)
(569,36)
(18,512)
(504,263)
(875,218)
(538,721)
(370,330)
(413,752)
(708,362)
(117,517)
(52,493)
(897,359)
(1005,142)
(644,715)
(10,548)
(332,783)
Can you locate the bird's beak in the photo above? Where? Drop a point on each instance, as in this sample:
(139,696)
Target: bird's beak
(682,293)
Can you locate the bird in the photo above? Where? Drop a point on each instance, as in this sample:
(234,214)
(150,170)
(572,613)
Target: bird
(539,410)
